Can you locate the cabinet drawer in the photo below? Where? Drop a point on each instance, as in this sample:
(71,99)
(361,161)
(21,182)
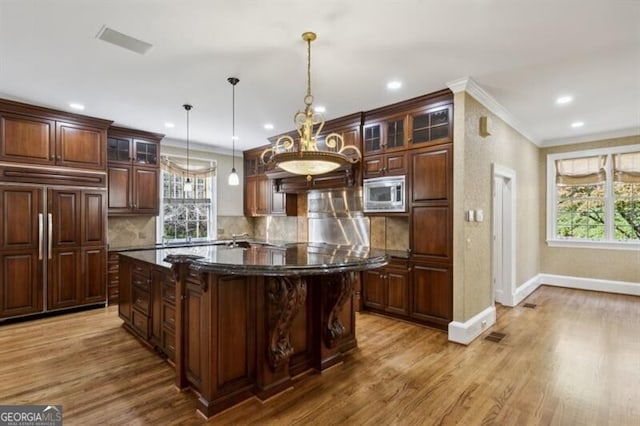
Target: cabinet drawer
(168,316)
(141,299)
(141,281)
(169,344)
(140,323)
(113,293)
(169,292)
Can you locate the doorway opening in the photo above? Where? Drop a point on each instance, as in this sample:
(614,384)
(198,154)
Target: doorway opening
(503,244)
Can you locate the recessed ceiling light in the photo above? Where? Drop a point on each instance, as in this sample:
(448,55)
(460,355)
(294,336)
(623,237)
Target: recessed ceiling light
(564,100)
(268,126)
(169,125)
(320,108)
(74,105)
(577,124)
(234,137)
(393,85)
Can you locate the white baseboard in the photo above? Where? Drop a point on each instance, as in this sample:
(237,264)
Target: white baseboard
(526,289)
(608,286)
(465,332)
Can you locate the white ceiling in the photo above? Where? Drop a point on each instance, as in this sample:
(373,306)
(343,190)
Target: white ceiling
(523,53)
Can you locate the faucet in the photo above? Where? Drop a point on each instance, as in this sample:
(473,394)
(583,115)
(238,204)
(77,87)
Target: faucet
(234,236)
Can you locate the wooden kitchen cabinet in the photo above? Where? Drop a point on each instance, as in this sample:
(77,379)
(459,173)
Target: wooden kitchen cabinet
(77,260)
(147,303)
(382,135)
(432,291)
(387,289)
(52,140)
(113,277)
(21,251)
(261,197)
(432,125)
(133,171)
(53,253)
(385,165)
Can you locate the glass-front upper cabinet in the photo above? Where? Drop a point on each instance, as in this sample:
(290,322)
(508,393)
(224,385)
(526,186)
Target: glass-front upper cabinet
(432,125)
(126,150)
(385,135)
(146,152)
(372,138)
(119,149)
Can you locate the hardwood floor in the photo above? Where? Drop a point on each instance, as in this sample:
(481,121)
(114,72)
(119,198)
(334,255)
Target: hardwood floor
(573,359)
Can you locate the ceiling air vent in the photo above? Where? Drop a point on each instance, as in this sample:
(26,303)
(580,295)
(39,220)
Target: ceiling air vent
(127,42)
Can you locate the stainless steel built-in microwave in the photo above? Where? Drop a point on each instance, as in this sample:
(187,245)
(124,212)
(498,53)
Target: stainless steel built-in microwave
(384,194)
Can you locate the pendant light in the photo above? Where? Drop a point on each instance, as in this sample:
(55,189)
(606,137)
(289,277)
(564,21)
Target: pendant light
(233,176)
(305,156)
(188,184)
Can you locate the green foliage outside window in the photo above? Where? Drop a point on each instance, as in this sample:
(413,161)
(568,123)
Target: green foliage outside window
(581,211)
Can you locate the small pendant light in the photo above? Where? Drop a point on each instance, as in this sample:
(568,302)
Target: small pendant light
(233,176)
(188,184)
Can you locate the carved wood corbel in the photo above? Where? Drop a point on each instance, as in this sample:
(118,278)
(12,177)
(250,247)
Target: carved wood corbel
(339,289)
(286,295)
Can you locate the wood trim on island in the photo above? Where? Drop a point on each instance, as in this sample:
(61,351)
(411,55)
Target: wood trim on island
(234,333)
(245,327)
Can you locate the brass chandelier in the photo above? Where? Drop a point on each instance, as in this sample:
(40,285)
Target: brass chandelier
(304,156)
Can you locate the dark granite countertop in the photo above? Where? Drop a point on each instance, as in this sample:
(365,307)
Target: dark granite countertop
(259,258)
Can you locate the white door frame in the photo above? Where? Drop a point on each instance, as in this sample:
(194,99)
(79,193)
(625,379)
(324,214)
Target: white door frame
(508,233)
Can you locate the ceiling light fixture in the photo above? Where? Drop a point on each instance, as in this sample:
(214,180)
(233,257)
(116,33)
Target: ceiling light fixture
(74,105)
(169,125)
(577,124)
(268,126)
(320,109)
(562,100)
(393,85)
(304,157)
(188,185)
(233,176)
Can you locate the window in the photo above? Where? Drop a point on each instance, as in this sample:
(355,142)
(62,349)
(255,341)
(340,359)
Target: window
(187,215)
(593,198)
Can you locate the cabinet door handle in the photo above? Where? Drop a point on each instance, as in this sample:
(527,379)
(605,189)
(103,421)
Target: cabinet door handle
(50,234)
(59,157)
(52,157)
(410,140)
(40,235)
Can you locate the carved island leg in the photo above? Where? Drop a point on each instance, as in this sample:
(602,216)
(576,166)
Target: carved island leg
(286,295)
(336,295)
(339,290)
(282,298)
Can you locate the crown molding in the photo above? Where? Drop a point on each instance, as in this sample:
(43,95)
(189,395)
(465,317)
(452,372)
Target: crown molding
(469,85)
(621,133)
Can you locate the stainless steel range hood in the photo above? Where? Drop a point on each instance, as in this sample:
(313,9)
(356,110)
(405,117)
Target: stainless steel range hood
(335,217)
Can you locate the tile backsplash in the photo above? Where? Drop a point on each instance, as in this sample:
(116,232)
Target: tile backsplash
(131,231)
(389,232)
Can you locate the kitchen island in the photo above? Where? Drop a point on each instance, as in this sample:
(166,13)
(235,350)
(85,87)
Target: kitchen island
(243,320)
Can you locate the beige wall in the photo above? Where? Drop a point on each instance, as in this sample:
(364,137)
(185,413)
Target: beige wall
(617,265)
(474,157)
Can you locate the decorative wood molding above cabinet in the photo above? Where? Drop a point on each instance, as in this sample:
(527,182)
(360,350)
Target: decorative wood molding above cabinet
(134,172)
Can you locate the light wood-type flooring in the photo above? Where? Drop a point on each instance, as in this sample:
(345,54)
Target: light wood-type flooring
(572,360)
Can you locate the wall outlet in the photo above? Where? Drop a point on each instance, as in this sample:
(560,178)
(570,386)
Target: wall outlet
(142,235)
(483,324)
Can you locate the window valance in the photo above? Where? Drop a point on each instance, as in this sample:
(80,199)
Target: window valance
(197,168)
(581,171)
(626,167)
